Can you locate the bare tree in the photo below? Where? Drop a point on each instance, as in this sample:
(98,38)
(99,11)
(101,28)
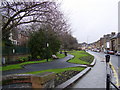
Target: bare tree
(34,15)
(18,13)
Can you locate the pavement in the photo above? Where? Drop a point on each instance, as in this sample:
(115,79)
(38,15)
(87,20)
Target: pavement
(59,63)
(115,62)
(96,78)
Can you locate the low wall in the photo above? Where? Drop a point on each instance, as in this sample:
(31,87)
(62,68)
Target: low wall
(43,80)
(12,58)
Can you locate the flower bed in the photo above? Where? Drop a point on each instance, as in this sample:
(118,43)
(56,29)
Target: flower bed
(64,76)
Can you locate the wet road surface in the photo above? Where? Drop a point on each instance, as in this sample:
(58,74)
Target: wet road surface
(95,78)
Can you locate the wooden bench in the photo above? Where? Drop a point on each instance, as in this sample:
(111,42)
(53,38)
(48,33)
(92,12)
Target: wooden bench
(54,57)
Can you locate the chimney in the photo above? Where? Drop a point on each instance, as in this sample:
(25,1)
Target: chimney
(112,33)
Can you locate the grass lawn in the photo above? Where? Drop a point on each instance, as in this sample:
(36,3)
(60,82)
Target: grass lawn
(57,70)
(19,66)
(60,55)
(81,57)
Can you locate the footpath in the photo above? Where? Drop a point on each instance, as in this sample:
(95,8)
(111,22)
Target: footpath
(59,63)
(96,78)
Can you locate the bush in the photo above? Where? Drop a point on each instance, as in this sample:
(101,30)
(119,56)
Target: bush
(38,44)
(38,57)
(29,57)
(23,59)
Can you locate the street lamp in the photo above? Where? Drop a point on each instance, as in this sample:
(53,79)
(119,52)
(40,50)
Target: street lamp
(47,44)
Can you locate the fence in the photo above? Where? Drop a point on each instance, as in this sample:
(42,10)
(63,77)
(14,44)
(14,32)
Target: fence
(10,54)
(15,50)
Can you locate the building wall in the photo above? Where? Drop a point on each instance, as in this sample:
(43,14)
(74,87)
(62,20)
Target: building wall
(118,44)
(113,44)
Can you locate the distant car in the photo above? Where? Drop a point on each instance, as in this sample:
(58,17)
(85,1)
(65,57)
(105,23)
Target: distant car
(98,50)
(105,51)
(117,53)
(95,50)
(110,52)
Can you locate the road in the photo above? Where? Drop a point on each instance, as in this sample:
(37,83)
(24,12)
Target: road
(96,78)
(59,63)
(114,60)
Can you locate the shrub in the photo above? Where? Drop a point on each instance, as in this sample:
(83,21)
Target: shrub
(38,57)
(23,59)
(29,57)
(43,44)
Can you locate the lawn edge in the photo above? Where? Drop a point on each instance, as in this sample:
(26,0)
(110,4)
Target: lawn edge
(75,78)
(22,66)
(71,81)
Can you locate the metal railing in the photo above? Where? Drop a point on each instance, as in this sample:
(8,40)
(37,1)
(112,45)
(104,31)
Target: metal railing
(108,75)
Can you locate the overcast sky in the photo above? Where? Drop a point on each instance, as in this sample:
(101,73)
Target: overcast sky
(91,19)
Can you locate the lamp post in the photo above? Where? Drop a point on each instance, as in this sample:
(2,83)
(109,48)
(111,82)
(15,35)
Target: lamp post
(47,44)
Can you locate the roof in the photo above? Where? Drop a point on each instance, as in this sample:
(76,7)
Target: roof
(116,36)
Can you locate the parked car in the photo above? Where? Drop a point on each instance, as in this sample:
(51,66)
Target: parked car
(98,50)
(110,52)
(105,51)
(95,50)
(117,53)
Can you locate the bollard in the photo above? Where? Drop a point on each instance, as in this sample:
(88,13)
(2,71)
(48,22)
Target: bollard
(65,53)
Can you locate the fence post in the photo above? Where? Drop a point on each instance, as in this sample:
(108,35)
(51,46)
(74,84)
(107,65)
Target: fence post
(108,82)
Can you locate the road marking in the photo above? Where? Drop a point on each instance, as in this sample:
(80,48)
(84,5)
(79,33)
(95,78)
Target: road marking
(115,74)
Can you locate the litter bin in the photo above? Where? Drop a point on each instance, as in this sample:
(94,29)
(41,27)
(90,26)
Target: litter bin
(65,53)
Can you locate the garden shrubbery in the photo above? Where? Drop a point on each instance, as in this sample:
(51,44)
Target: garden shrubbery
(43,44)
(28,58)
(23,59)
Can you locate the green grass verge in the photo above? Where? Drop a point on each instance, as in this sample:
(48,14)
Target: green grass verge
(81,57)
(60,55)
(19,66)
(57,70)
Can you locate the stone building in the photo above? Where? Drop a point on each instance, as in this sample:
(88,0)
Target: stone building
(101,44)
(23,37)
(107,41)
(118,41)
(115,42)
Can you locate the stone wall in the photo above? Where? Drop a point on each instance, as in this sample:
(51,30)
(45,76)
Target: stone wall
(13,57)
(44,80)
